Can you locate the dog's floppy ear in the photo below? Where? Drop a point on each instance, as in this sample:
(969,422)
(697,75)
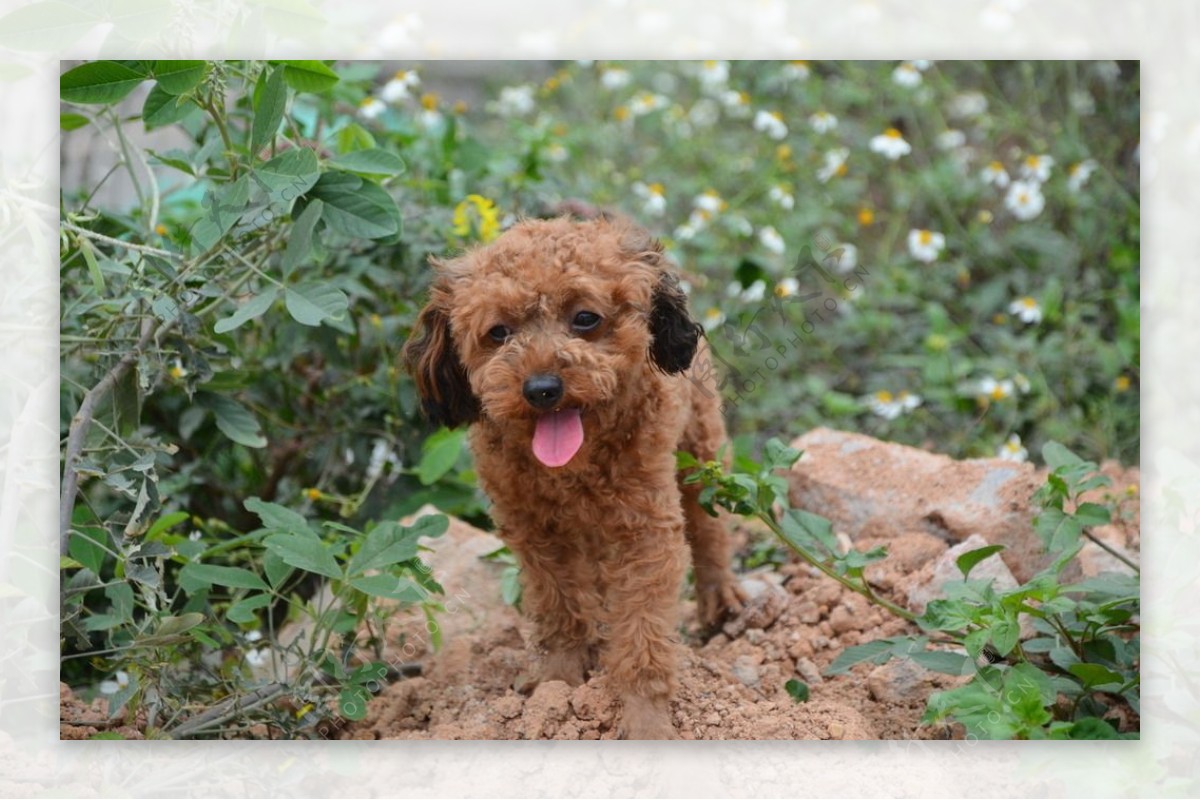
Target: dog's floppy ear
(675,333)
(441,379)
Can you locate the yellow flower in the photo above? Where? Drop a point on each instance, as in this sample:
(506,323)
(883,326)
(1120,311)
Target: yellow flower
(489,222)
(865,216)
(429,101)
(621,113)
(160,229)
(312,494)
(377,320)
(1122,383)
(783,152)
(460,107)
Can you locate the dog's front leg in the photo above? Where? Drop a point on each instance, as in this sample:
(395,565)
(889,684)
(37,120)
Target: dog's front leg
(643,581)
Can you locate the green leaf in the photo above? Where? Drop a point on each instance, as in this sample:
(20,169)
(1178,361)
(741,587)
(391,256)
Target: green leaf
(98,82)
(252,309)
(197,576)
(1056,456)
(797,690)
(177,77)
(89,256)
(1092,514)
(165,522)
(510,586)
(808,531)
(1057,529)
(439,454)
(309,76)
(967,561)
(87,546)
(276,517)
(304,551)
(127,401)
(877,651)
(70,122)
(105,736)
(355,207)
(313,303)
(1005,635)
(369,162)
(945,662)
(242,612)
(300,240)
(223,207)
(389,586)
(162,108)
(352,702)
(268,112)
(123,695)
(1088,728)
(234,419)
(779,456)
(288,175)
(276,569)
(1094,675)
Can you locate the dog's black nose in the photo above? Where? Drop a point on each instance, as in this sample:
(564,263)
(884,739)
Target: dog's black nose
(543,391)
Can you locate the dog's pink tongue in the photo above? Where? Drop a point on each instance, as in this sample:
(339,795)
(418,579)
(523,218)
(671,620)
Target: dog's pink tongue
(558,437)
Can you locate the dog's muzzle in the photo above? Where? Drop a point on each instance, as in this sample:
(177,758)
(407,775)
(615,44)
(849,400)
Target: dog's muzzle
(543,392)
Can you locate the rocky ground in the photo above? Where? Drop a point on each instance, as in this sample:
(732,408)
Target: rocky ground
(925,508)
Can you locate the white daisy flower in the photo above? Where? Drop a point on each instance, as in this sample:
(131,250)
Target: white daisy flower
(782,197)
(1025,199)
(906,75)
(736,103)
(891,144)
(921,63)
(256,658)
(646,102)
(430,118)
(1037,168)
(654,195)
(754,293)
(514,101)
(1012,450)
(992,389)
(770,239)
(823,122)
(771,123)
(787,287)
(968,104)
(951,139)
(846,258)
(835,164)
(371,107)
(1026,309)
(994,174)
(1078,174)
(925,245)
(713,318)
(685,232)
(795,71)
(118,682)
(613,78)
(254,636)
(709,201)
(714,74)
(890,406)
(400,86)
(704,113)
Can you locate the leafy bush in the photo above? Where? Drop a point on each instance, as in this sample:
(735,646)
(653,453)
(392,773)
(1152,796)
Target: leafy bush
(1059,684)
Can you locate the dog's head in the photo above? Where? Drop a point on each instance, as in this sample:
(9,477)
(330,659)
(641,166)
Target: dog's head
(553,319)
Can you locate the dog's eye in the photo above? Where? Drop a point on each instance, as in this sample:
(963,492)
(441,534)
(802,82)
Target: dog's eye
(500,333)
(585,321)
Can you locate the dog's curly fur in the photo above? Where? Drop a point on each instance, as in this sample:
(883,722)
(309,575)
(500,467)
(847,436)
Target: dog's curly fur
(601,539)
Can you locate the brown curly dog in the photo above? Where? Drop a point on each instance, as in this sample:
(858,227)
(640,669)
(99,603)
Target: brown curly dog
(568,348)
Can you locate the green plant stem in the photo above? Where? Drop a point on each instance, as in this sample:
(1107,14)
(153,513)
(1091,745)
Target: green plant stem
(211,108)
(1112,552)
(862,589)
(138,248)
(226,710)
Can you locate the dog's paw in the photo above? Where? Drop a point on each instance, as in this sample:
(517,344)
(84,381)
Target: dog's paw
(718,600)
(644,720)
